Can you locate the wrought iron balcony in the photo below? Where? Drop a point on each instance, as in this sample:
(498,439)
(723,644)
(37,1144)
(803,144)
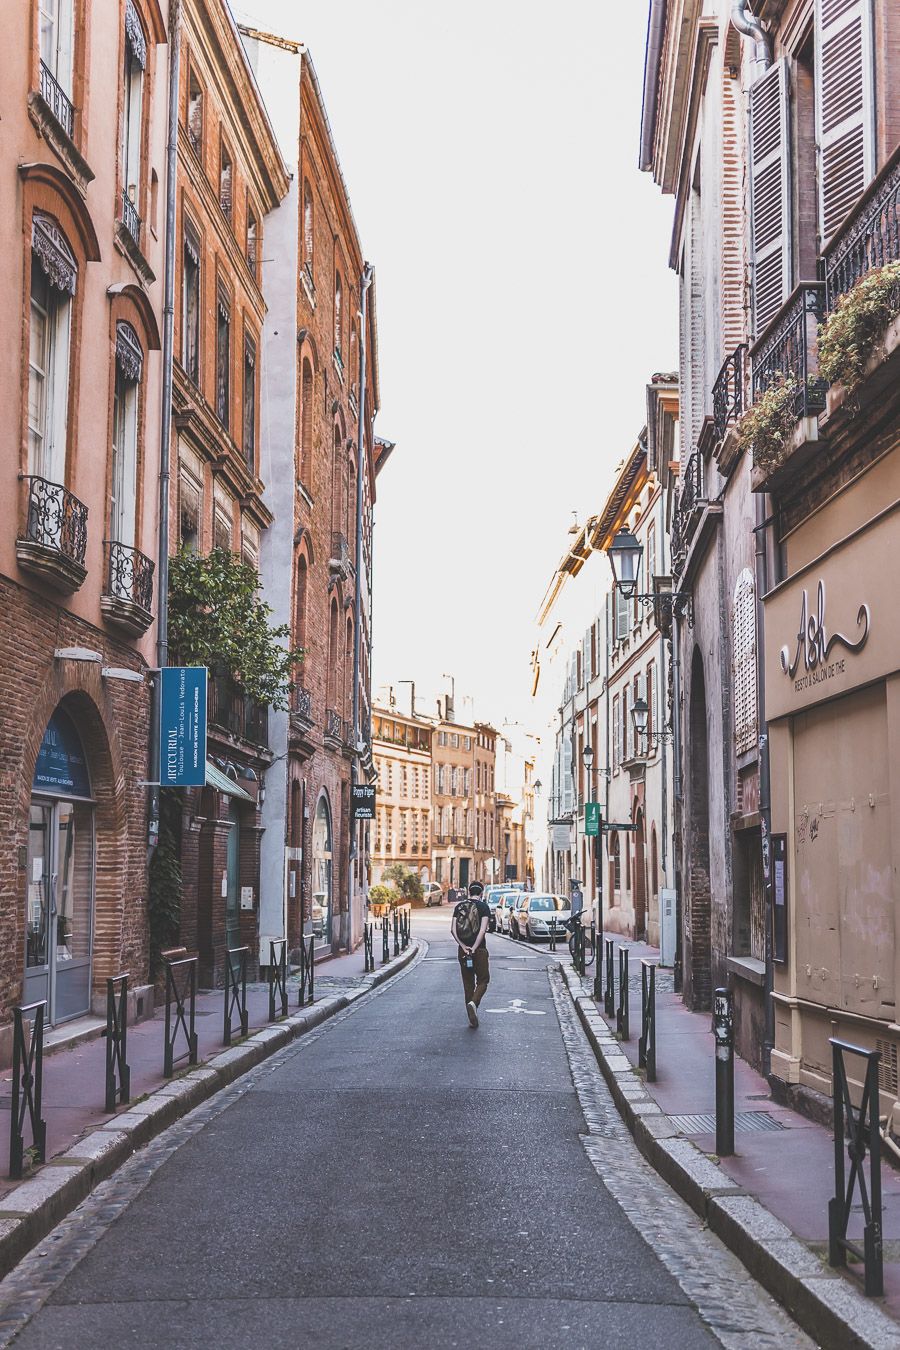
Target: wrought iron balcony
(302,703)
(57,100)
(868,238)
(334,726)
(786,350)
(728,392)
(130,218)
(686,514)
(55,535)
(128,597)
(230,708)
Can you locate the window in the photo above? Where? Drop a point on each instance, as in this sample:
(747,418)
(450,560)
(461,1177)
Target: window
(770,194)
(223,519)
(467,743)
(338,316)
(123,485)
(300,607)
(625,722)
(743,628)
(53,277)
(621,605)
(651,553)
(250,544)
(223,358)
(439,788)
(225,183)
(306,422)
(635,738)
(616,723)
(195,114)
(454,740)
(250,404)
(135,61)
(308,231)
(190,307)
(844,107)
(651,696)
(56,19)
(615,860)
(252,242)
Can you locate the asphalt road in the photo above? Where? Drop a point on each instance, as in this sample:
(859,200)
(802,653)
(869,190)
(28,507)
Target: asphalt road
(395,1179)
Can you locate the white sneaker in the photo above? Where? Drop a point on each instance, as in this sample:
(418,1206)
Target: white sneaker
(473,1013)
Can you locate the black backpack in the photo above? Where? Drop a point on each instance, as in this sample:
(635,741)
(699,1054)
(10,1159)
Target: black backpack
(468,921)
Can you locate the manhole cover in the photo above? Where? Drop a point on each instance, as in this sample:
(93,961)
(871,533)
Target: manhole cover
(745,1122)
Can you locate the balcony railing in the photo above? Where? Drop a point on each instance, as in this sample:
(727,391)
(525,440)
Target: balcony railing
(129,574)
(870,237)
(728,392)
(56,519)
(235,712)
(57,100)
(334,726)
(130,218)
(302,703)
(786,350)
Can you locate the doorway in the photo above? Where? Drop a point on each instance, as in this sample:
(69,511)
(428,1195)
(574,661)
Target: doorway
(322,873)
(60,876)
(640,880)
(464,874)
(233,879)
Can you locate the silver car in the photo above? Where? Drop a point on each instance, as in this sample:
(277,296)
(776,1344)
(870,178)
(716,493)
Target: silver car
(534,917)
(504,908)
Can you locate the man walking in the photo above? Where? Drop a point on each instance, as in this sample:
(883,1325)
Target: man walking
(469,931)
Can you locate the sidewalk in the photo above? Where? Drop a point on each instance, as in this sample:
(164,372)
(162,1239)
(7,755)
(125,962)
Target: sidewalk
(85,1142)
(782,1159)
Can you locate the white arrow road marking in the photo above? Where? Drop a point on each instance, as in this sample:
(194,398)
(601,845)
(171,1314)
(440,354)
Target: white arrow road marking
(518,1006)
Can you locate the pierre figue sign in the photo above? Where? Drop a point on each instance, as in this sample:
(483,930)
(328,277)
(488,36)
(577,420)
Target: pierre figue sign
(815,645)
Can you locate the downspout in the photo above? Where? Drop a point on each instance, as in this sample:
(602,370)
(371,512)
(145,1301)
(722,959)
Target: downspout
(765,795)
(656,24)
(677,794)
(750,27)
(365,282)
(165,431)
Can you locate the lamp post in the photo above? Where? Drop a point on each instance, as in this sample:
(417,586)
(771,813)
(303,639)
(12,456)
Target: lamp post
(626,554)
(587,758)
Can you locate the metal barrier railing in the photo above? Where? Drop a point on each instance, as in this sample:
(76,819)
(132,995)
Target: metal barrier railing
(27,1083)
(609,997)
(552,927)
(647,1042)
(235,992)
(385,940)
(368,947)
(184,997)
(307,971)
(118,1074)
(622,1024)
(857,1130)
(396,918)
(278,977)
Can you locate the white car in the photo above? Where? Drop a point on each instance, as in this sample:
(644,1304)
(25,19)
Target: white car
(432,893)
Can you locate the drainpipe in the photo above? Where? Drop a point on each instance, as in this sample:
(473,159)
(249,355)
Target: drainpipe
(750,27)
(165,432)
(763,519)
(368,274)
(655,29)
(677,793)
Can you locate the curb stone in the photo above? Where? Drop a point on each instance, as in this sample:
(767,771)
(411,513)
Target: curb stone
(36,1206)
(822,1302)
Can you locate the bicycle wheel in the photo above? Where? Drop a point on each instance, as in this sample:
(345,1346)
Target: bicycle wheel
(588,952)
(572,946)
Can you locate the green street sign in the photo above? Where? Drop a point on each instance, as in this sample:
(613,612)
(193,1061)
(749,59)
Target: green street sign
(592,818)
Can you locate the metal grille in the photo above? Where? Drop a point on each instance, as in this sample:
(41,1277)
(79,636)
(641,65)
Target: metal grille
(887,1067)
(745,1122)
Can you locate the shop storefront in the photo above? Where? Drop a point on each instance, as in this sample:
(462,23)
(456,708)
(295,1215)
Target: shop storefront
(322,874)
(833,709)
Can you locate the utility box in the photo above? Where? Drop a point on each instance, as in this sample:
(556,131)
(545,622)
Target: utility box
(668,931)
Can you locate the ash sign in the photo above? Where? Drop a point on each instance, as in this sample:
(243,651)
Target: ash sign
(362,802)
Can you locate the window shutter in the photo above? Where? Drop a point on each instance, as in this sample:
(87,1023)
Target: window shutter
(744,660)
(844,107)
(770,211)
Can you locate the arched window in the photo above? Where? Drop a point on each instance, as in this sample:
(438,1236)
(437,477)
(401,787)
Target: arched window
(333,657)
(300,602)
(615,861)
(351,500)
(338,317)
(123,574)
(54,273)
(743,628)
(132,120)
(337,484)
(308,229)
(348,669)
(304,469)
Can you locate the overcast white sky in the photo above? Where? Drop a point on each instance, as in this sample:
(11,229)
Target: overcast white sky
(491,150)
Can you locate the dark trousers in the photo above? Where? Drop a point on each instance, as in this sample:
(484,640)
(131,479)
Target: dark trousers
(477,978)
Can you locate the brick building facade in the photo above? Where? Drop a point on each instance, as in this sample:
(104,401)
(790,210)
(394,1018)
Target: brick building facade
(230,176)
(401,749)
(83,106)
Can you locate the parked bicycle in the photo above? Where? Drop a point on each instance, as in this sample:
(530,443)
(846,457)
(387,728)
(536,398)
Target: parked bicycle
(584,936)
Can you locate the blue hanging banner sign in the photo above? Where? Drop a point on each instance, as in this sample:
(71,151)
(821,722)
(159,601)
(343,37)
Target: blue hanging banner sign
(182,726)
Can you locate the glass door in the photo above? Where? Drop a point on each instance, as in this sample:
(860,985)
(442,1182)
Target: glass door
(37,911)
(60,904)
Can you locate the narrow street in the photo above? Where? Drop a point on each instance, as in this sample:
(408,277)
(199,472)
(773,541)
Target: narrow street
(397,1178)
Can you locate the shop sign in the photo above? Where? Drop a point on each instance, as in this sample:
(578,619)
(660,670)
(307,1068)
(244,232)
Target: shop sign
(61,767)
(362,801)
(814,644)
(592,818)
(182,726)
(561,837)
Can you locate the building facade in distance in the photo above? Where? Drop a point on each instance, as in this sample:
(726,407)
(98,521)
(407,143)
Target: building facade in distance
(401,748)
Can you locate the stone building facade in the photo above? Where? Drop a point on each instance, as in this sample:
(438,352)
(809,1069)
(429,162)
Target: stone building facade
(322,458)
(464,817)
(401,749)
(83,108)
(230,176)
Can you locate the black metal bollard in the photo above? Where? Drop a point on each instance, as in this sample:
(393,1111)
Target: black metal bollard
(623,1028)
(368,955)
(598,964)
(184,1016)
(552,935)
(647,1042)
(235,992)
(609,997)
(278,977)
(118,1074)
(723,1030)
(27,1087)
(385,940)
(856,1131)
(396,933)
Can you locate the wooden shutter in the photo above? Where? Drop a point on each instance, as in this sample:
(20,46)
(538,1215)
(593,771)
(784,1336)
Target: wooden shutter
(743,622)
(844,107)
(770,210)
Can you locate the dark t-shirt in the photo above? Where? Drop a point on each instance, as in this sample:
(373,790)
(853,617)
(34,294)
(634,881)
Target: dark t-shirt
(468,916)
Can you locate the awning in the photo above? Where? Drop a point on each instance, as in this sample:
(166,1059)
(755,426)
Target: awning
(215,778)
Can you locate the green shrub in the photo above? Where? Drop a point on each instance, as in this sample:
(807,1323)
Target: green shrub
(382,895)
(850,334)
(164,899)
(407,882)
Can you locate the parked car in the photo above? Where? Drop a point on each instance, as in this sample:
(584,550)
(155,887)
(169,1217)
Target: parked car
(505,903)
(432,893)
(534,916)
(517,929)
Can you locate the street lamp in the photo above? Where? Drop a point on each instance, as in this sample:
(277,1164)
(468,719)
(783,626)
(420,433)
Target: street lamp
(640,716)
(625,554)
(587,756)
